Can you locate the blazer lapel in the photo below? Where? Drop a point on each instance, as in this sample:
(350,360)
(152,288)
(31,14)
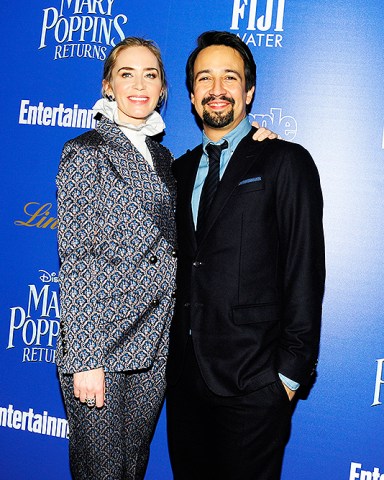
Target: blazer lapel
(247,152)
(123,150)
(186,176)
(161,166)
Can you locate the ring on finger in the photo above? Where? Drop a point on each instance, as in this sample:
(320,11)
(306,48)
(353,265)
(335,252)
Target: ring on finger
(91,402)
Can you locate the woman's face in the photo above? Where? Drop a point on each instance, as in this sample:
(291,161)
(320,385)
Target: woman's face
(135,84)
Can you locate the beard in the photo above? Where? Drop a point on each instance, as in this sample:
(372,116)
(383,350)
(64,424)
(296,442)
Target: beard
(217,119)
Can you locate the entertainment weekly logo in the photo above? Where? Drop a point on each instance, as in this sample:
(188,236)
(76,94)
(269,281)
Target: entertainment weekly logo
(81,28)
(57,116)
(29,421)
(284,125)
(259,23)
(33,328)
(357,472)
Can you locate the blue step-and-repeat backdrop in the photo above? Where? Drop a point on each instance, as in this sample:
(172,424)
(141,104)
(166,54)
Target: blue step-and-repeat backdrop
(320,83)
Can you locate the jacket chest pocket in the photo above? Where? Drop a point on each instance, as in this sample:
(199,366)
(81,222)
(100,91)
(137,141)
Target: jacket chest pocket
(249,185)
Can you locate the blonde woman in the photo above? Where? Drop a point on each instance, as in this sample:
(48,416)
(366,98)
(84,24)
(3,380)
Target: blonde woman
(117,250)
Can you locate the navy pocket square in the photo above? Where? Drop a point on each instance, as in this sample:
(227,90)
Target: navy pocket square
(250,180)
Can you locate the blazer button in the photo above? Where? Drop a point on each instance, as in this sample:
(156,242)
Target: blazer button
(152,259)
(155,302)
(174,253)
(197,264)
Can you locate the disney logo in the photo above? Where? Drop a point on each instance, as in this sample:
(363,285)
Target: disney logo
(48,277)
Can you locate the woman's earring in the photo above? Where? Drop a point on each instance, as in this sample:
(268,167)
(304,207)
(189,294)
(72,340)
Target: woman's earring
(160,101)
(110,98)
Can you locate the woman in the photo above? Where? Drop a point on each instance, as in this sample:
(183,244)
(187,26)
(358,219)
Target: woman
(117,250)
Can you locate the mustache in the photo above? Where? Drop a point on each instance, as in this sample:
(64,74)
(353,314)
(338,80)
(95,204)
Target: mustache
(214,97)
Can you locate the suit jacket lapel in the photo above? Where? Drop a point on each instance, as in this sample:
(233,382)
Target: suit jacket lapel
(246,153)
(186,175)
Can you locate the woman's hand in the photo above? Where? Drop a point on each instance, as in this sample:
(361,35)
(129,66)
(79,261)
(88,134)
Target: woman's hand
(262,133)
(90,385)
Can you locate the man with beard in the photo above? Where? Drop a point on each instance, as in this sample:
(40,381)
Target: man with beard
(250,280)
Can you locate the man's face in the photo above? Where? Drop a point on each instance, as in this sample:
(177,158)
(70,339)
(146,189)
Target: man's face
(219,97)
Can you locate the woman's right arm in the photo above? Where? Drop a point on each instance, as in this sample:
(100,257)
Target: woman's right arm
(78,197)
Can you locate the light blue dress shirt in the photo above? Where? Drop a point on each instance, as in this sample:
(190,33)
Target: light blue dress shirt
(233,138)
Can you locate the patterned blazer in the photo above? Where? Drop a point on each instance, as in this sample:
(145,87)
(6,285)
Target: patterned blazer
(116,241)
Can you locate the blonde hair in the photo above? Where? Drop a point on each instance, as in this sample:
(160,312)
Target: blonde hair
(128,42)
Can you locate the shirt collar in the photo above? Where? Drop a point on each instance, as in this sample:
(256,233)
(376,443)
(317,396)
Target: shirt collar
(233,137)
(152,126)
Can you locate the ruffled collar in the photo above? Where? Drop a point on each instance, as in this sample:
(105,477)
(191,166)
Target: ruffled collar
(152,126)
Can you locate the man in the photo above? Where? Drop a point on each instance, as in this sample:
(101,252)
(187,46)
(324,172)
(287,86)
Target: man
(250,280)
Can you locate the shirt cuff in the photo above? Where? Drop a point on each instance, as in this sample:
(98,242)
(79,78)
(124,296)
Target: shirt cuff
(290,383)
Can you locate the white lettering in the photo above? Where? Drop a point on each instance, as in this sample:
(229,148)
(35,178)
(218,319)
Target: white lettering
(32,332)
(280,16)
(47,25)
(353,474)
(57,116)
(35,298)
(357,473)
(13,326)
(262,39)
(265,21)
(261,21)
(68,6)
(238,12)
(378,383)
(23,111)
(285,125)
(36,354)
(45,304)
(82,25)
(33,422)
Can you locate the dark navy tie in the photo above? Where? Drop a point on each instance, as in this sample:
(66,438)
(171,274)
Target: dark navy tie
(210,184)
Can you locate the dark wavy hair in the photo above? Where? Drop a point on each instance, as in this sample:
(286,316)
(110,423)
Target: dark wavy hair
(227,39)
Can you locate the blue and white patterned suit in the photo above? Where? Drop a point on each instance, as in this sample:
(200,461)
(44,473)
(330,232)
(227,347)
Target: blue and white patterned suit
(117,250)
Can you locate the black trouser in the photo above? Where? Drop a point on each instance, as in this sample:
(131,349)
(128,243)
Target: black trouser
(225,438)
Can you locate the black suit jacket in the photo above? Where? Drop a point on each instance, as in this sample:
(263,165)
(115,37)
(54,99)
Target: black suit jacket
(251,292)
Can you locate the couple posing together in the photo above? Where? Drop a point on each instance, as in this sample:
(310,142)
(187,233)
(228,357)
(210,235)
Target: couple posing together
(221,300)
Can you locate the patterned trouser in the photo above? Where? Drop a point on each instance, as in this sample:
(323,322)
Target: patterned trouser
(112,443)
